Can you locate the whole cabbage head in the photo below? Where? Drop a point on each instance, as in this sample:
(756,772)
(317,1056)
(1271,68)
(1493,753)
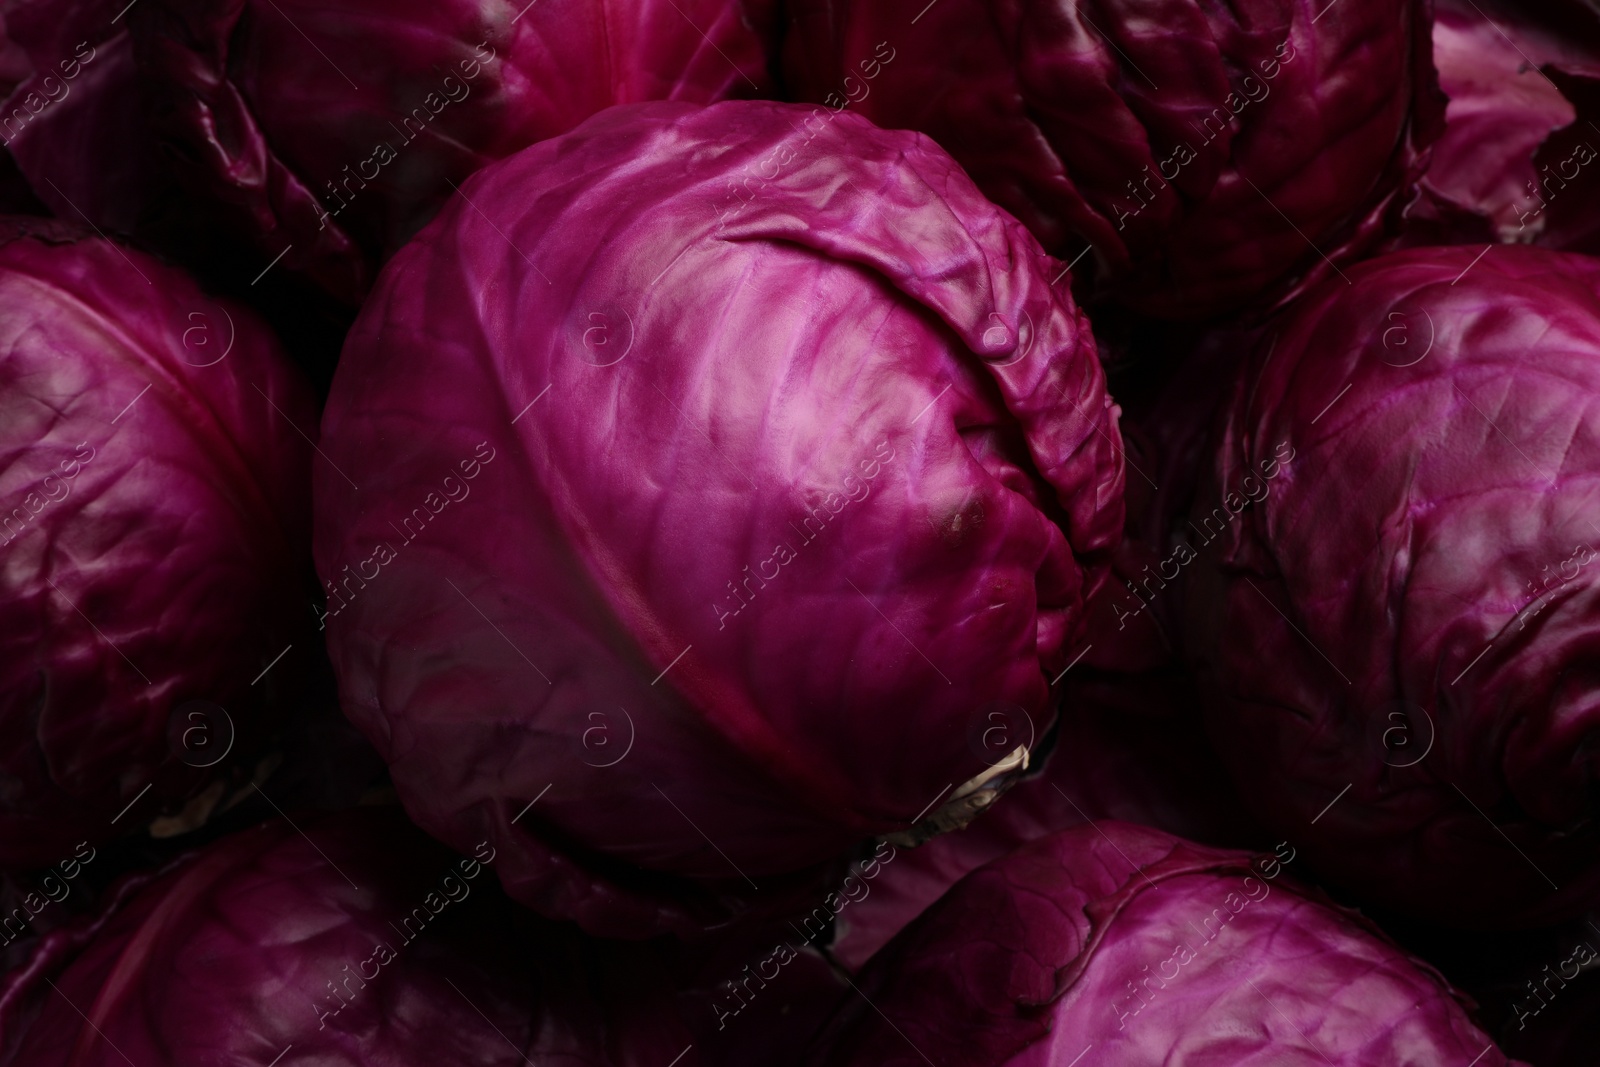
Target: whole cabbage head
(709,477)
(1398,624)
(1115,943)
(154,511)
(1203,156)
(333,131)
(345,941)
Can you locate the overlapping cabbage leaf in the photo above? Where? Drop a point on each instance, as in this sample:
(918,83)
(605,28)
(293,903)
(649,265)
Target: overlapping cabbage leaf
(1204,157)
(1116,943)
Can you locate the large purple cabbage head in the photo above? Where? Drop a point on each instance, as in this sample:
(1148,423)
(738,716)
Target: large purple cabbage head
(333,131)
(706,485)
(154,508)
(1202,156)
(1115,943)
(346,941)
(1394,605)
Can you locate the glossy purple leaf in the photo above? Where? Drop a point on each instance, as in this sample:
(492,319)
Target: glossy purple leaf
(1496,64)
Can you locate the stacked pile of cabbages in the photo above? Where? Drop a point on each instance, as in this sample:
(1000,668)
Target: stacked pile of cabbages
(799,533)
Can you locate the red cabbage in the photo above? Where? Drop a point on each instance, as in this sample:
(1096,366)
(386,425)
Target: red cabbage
(1392,600)
(333,131)
(154,510)
(1212,156)
(755,450)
